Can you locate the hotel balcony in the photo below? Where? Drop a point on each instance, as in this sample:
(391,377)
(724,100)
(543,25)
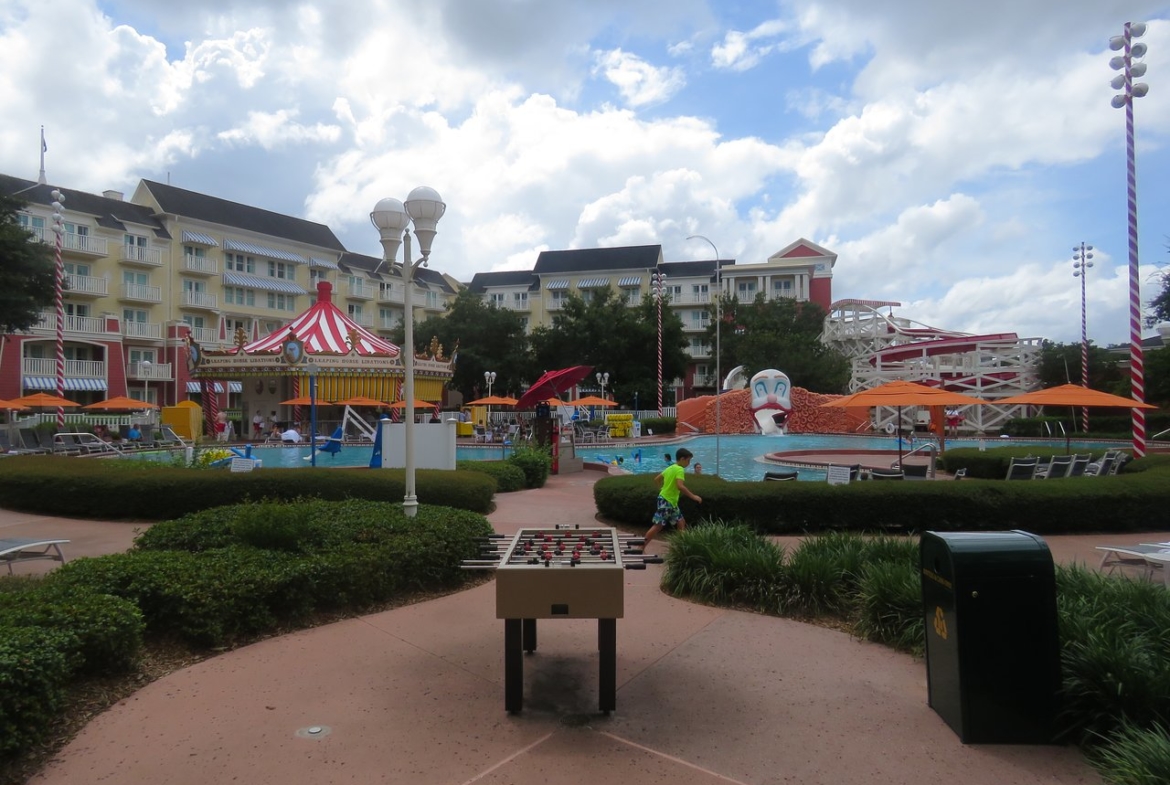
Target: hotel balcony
(704,380)
(693,326)
(204,335)
(200,265)
(83,245)
(208,302)
(356,290)
(148,371)
(149,330)
(73,324)
(86,286)
(47,366)
(145,257)
(141,293)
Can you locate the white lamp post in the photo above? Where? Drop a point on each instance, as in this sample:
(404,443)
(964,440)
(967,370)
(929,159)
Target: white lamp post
(489,378)
(312,369)
(658,282)
(144,371)
(603,379)
(1129,91)
(424,208)
(1081,264)
(718,324)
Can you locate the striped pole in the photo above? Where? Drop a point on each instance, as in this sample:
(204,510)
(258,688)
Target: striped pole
(1081,269)
(59,296)
(659,280)
(1131,90)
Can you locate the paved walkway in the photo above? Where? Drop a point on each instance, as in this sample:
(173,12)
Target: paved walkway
(415,695)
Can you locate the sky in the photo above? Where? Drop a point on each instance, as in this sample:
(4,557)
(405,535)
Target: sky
(951,154)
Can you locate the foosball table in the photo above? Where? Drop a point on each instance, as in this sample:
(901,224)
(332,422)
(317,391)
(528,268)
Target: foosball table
(559,573)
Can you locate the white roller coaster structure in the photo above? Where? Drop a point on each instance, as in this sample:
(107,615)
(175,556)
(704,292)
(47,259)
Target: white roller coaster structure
(884,348)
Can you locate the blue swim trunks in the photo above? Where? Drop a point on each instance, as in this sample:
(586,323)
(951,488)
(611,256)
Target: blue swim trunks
(666,515)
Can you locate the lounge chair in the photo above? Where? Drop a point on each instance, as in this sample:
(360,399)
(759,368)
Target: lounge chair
(917,471)
(168,438)
(1120,556)
(1021,469)
(783,475)
(887,474)
(1104,466)
(1058,467)
(31,439)
(960,474)
(21,549)
(1079,462)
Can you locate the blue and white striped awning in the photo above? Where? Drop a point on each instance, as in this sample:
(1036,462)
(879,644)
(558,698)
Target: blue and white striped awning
(198,238)
(194,387)
(261,282)
(71,383)
(316,263)
(628,282)
(260,250)
(592,283)
(560,284)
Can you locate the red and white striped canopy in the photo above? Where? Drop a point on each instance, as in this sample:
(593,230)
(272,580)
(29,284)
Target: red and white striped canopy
(324,328)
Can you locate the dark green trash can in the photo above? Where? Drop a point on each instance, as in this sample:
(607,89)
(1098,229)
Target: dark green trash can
(992,646)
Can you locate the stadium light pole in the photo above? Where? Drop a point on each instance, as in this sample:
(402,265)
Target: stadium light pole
(658,283)
(1130,90)
(58,295)
(718,325)
(1081,264)
(423,207)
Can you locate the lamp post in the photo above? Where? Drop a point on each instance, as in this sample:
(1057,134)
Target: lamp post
(489,378)
(144,370)
(603,379)
(658,282)
(312,369)
(1129,91)
(59,297)
(423,207)
(1081,264)
(718,325)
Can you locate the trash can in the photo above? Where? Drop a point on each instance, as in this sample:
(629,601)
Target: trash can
(637,429)
(992,645)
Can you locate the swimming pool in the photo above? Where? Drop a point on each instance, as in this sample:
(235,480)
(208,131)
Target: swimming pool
(740,456)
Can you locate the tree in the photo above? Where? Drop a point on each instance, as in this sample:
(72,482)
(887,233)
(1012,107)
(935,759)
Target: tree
(489,338)
(27,271)
(1157,365)
(1060,363)
(615,339)
(1159,310)
(783,334)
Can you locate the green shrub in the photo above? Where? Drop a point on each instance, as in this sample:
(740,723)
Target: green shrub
(889,605)
(1134,756)
(722,563)
(33,673)
(535,462)
(658,426)
(508,476)
(277,527)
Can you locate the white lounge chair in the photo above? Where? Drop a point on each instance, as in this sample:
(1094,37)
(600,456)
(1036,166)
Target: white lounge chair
(1058,467)
(21,549)
(1021,469)
(1138,555)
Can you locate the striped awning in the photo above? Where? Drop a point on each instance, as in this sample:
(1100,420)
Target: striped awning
(592,283)
(262,282)
(322,264)
(260,250)
(50,383)
(199,238)
(555,285)
(628,282)
(194,387)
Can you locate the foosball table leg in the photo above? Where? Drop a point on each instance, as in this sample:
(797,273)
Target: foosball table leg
(607,667)
(529,635)
(513,666)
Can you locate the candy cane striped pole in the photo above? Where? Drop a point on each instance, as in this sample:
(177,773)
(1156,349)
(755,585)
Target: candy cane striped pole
(658,280)
(1081,266)
(1131,90)
(59,296)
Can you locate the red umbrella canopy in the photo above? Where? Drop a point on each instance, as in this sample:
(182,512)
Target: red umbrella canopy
(552,384)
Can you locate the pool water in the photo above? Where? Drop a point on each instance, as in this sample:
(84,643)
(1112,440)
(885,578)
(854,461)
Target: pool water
(740,456)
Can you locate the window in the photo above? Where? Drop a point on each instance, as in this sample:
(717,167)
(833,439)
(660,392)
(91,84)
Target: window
(699,319)
(281,302)
(520,300)
(236,295)
(280,270)
(782,288)
(73,268)
(699,348)
(674,293)
(235,324)
(746,290)
(316,277)
(271,327)
(135,279)
(498,299)
(559,297)
(79,353)
(135,315)
(632,296)
(77,229)
(236,262)
(194,322)
(524,323)
(385,290)
(198,287)
(33,223)
(388,318)
(355,313)
(700,293)
(587,295)
(135,241)
(432,300)
(198,251)
(76,309)
(141,355)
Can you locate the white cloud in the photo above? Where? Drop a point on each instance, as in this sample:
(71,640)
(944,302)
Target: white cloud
(741,51)
(640,83)
(273,129)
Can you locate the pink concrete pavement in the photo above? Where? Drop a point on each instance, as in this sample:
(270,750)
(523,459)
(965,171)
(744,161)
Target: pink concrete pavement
(415,695)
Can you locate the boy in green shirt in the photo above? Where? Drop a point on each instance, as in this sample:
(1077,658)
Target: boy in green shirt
(667,513)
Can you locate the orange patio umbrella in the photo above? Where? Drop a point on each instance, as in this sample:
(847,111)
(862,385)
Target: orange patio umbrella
(592,400)
(45,401)
(304,400)
(362,400)
(492,400)
(1073,395)
(121,403)
(12,406)
(417,404)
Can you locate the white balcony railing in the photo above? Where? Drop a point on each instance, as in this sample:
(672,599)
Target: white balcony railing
(83,243)
(136,254)
(149,371)
(389,324)
(360,291)
(705,380)
(74,324)
(200,265)
(695,325)
(47,366)
(199,300)
(142,329)
(141,292)
(701,298)
(389,295)
(204,335)
(86,284)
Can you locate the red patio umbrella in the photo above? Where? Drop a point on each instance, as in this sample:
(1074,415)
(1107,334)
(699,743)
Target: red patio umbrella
(552,384)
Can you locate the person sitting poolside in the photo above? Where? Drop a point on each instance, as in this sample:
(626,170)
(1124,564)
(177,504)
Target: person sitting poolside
(291,436)
(133,435)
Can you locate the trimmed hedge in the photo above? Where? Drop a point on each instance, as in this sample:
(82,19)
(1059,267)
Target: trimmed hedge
(1136,500)
(129,490)
(508,476)
(33,674)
